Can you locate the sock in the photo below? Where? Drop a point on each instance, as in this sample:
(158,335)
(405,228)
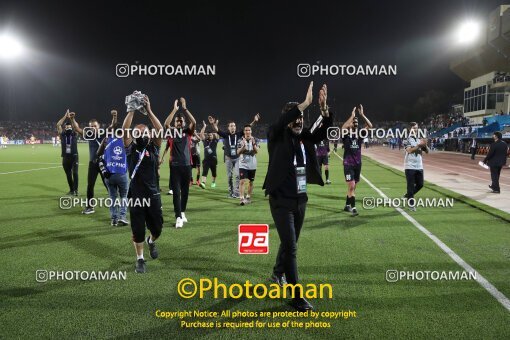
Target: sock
(138,257)
(347,201)
(149,241)
(198,178)
(353,202)
(327,174)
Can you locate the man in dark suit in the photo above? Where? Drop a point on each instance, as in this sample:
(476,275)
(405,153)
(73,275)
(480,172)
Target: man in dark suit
(495,159)
(473,148)
(292,165)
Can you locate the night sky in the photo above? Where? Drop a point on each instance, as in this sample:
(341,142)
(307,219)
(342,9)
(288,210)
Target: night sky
(73,48)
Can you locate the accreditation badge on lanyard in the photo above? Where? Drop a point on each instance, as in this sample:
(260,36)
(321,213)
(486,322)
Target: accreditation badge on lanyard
(301,173)
(140,158)
(233,147)
(68,144)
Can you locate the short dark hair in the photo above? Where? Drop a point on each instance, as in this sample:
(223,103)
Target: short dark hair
(289,106)
(412,124)
(247,125)
(498,134)
(230,122)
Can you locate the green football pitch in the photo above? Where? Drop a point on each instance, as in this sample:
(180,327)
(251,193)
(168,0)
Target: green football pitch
(350,253)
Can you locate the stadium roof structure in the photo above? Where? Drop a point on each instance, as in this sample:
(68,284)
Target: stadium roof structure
(490,52)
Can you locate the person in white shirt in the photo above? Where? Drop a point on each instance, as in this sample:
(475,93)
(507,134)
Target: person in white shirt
(413,163)
(473,148)
(247,148)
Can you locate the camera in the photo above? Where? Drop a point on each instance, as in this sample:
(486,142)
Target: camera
(135,101)
(103,168)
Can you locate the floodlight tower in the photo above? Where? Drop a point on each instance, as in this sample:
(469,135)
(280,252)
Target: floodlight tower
(11,49)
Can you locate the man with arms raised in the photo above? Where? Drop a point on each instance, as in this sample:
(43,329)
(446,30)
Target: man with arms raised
(179,143)
(230,140)
(293,165)
(94,143)
(210,156)
(352,157)
(69,154)
(143,161)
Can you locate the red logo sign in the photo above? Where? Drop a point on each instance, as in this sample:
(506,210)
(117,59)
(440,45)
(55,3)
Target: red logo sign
(253,239)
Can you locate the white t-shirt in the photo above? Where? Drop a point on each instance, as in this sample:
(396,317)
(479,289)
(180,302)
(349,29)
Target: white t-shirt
(247,159)
(413,160)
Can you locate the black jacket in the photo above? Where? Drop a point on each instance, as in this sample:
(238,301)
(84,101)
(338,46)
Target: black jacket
(497,154)
(281,150)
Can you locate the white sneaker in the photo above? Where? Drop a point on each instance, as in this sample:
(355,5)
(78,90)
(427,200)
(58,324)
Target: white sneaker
(184,219)
(178,222)
(170,192)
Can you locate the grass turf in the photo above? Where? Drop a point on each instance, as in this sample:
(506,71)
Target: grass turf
(352,254)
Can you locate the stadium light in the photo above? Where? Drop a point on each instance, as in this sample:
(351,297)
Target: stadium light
(10,47)
(467,32)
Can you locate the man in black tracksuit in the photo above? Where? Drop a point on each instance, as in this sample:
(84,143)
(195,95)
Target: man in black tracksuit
(496,159)
(68,141)
(293,164)
(180,160)
(473,147)
(94,141)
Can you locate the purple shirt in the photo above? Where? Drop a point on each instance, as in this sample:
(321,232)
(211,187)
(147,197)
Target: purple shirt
(322,148)
(352,150)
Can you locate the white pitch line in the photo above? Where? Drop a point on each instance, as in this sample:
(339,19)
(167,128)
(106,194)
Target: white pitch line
(19,171)
(502,299)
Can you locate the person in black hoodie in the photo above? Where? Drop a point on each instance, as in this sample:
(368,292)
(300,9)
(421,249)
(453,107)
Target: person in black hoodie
(292,165)
(495,159)
(69,139)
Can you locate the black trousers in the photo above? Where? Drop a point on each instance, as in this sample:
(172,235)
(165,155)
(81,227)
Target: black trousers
(180,176)
(414,182)
(207,164)
(70,165)
(91,180)
(147,216)
(288,216)
(473,153)
(495,172)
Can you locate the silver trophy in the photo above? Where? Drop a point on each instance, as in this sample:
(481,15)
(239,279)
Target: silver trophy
(135,102)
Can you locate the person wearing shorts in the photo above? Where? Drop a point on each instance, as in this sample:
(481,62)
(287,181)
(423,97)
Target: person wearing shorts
(322,151)
(352,157)
(143,161)
(195,157)
(210,156)
(231,158)
(247,149)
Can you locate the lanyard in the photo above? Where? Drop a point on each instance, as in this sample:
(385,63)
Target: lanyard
(108,145)
(140,158)
(69,139)
(230,140)
(304,155)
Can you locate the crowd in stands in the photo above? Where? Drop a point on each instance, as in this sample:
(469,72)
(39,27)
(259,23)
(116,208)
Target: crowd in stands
(25,129)
(437,122)
(22,130)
